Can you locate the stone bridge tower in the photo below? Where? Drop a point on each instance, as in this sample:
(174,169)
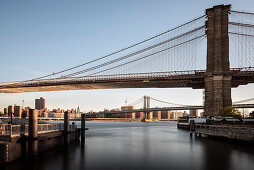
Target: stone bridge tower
(217,77)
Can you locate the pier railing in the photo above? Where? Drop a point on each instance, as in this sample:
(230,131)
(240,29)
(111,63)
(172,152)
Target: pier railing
(45,128)
(17,130)
(10,130)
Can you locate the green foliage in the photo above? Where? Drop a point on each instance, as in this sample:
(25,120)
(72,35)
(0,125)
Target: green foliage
(230,112)
(252,114)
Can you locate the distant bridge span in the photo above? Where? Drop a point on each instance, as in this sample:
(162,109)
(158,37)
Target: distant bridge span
(198,107)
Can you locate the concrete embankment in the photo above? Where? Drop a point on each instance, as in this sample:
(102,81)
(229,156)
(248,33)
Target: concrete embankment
(234,132)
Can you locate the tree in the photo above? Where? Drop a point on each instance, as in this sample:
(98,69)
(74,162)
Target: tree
(231,112)
(252,114)
(245,112)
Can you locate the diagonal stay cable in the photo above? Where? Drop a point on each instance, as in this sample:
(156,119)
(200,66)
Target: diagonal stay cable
(131,46)
(242,12)
(146,56)
(241,24)
(248,35)
(130,55)
(135,53)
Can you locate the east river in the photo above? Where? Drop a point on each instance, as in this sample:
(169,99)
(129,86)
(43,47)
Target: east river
(137,145)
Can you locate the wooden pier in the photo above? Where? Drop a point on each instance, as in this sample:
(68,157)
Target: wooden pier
(17,141)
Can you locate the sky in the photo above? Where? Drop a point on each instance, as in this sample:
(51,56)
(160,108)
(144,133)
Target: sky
(41,37)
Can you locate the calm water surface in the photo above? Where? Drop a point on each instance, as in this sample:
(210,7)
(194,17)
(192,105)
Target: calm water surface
(136,145)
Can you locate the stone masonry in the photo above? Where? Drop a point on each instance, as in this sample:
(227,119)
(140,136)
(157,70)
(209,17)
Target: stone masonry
(217,78)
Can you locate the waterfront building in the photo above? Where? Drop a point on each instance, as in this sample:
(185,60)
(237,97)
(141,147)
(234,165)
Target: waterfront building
(55,115)
(25,112)
(10,110)
(175,115)
(201,114)
(101,115)
(6,111)
(194,112)
(17,111)
(106,110)
(40,103)
(44,114)
(59,110)
(165,114)
(75,115)
(157,115)
(127,115)
(185,113)
(127,108)
(40,112)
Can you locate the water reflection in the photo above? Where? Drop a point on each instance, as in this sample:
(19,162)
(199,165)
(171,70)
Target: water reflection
(122,145)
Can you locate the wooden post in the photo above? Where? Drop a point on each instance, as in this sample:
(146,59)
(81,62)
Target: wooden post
(33,132)
(83,127)
(66,127)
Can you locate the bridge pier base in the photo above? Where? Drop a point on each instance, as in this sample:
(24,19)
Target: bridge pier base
(133,115)
(169,112)
(217,94)
(151,116)
(142,116)
(159,115)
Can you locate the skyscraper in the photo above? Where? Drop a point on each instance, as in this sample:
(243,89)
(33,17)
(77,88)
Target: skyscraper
(40,103)
(17,111)
(6,111)
(10,110)
(194,112)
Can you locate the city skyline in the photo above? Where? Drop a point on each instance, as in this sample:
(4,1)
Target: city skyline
(35,49)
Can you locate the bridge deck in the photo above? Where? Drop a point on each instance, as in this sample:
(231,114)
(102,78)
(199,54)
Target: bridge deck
(177,79)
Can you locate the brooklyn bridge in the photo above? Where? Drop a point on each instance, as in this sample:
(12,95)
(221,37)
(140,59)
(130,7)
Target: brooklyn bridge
(173,59)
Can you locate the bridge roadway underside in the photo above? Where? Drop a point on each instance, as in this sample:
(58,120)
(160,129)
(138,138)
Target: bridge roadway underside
(195,81)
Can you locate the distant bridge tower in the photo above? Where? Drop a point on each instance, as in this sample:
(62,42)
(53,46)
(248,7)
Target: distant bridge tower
(146,105)
(217,78)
